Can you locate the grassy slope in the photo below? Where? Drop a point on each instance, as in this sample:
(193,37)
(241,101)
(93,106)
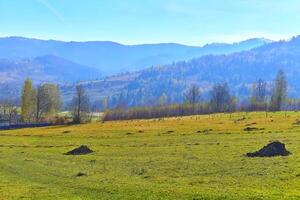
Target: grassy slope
(145,160)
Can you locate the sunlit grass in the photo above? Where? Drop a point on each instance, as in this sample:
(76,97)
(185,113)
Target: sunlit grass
(198,157)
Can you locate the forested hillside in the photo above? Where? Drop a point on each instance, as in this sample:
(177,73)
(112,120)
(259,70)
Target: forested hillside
(145,87)
(239,70)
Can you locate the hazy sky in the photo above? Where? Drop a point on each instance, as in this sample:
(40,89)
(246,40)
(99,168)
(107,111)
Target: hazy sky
(193,22)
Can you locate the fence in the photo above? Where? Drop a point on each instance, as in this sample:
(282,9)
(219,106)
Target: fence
(23,125)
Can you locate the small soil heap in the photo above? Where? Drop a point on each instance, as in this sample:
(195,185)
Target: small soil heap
(82,150)
(273,149)
(250,128)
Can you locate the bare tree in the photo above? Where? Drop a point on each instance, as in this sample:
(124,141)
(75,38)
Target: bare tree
(80,106)
(105,103)
(193,96)
(220,98)
(162,100)
(259,96)
(279,92)
(47,101)
(12,111)
(9,111)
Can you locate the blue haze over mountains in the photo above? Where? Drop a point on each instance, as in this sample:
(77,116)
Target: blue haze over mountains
(240,70)
(175,67)
(111,57)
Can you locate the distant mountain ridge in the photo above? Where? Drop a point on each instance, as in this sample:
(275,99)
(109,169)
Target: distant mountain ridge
(48,67)
(41,69)
(111,57)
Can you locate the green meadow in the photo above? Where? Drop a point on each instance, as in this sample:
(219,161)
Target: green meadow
(196,158)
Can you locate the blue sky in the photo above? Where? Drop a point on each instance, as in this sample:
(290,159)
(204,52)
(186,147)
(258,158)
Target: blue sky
(193,22)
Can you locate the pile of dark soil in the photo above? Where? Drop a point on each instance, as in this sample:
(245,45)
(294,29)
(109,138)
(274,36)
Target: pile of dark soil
(66,132)
(273,149)
(254,123)
(81,174)
(240,119)
(250,129)
(205,131)
(82,150)
(297,122)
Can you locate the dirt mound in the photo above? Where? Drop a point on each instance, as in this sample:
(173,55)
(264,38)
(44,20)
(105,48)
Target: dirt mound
(297,122)
(273,149)
(82,150)
(249,128)
(205,131)
(81,174)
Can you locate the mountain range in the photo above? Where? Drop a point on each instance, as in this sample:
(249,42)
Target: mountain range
(240,70)
(41,69)
(238,64)
(110,57)
(66,63)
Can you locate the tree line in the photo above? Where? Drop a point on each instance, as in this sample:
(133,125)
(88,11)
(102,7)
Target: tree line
(40,103)
(43,104)
(264,97)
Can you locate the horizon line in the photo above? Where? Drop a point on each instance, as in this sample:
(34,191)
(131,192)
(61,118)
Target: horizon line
(150,43)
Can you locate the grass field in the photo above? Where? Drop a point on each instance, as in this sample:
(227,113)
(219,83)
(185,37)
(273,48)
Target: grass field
(199,157)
